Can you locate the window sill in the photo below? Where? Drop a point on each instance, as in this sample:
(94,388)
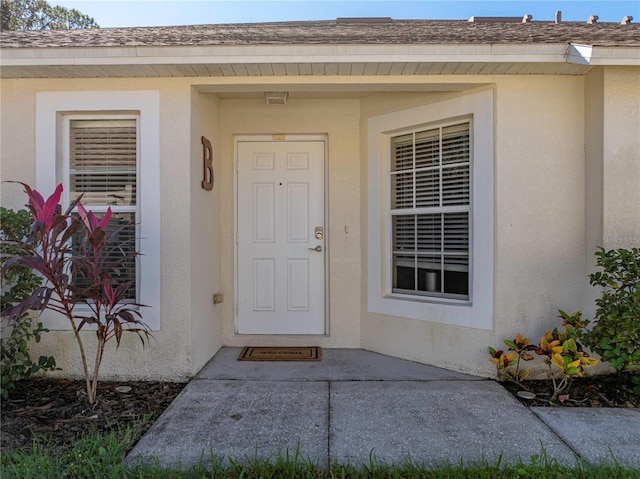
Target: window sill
(429,299)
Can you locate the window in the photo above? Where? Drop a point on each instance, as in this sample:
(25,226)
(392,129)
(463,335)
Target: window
(102,167)
(430,217)
(106,145)
(429,207)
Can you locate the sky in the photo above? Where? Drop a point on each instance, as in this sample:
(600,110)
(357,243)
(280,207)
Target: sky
(130,13)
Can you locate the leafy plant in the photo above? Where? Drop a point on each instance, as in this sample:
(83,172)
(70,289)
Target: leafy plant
(616,333)
(18,283)
(78,261)
(561,350)
(507,364)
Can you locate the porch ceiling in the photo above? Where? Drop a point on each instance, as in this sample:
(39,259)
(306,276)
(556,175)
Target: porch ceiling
(330,90)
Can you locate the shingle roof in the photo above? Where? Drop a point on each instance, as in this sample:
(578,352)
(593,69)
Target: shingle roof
(393,32)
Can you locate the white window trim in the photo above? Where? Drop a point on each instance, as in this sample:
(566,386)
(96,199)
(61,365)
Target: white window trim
(478,311)
(51,108)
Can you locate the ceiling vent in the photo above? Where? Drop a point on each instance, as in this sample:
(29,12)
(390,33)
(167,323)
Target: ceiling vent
(276,97)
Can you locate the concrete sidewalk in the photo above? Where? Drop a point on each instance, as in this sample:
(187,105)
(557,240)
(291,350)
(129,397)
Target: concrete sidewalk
(355,404)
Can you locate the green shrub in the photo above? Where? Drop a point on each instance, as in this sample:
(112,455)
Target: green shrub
(17,284)
(616,333)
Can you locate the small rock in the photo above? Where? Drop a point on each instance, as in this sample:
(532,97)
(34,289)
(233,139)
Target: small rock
(123,389)
(526,395)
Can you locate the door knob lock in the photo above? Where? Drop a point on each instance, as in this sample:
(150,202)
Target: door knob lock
(317,248)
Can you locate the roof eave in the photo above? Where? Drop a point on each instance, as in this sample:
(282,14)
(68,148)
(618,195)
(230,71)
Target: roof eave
(103,61)
(152,55)
(619,56)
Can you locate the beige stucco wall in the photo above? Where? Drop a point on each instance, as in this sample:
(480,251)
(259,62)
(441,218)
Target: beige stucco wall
(551,207)
(168,354)
(539,227)
(339,119)
(206,318)
(594,146)
(612,102)
(621,157)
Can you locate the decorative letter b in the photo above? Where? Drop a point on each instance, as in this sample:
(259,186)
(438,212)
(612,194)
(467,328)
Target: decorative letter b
(207,164)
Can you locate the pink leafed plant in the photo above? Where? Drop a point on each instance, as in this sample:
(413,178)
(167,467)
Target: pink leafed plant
(64,248)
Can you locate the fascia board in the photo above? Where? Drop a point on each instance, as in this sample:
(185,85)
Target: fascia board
(256,54)
(579,54)
(628,56)
(595,55)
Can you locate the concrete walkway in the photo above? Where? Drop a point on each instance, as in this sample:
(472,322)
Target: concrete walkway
(355,405)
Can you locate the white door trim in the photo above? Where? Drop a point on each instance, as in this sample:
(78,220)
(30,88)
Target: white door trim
(282,138)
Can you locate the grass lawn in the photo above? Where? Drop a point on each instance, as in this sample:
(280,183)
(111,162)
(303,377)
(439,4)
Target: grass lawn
(100,456)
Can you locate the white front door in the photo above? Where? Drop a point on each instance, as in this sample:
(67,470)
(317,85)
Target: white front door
(280,237)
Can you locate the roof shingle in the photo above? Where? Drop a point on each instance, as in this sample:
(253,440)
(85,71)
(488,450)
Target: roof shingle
(392,32)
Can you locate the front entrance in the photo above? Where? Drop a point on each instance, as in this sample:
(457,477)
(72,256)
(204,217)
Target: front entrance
(280,227)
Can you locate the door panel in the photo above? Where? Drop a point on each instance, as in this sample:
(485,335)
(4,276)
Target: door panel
(281,264)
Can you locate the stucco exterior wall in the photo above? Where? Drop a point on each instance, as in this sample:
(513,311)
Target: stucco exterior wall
(168,354)
(206,318)
(594,177)
(539,228)
(552,204)
(621,157)
(339,119)
(612,102)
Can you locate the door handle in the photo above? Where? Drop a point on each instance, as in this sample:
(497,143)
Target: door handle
(317,248)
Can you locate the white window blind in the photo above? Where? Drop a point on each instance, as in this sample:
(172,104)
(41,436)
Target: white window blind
(430,204)
(103,159)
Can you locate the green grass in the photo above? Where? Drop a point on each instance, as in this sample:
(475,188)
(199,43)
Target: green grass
(100,456)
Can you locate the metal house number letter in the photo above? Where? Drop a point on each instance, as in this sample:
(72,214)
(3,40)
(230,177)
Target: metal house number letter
(207,164)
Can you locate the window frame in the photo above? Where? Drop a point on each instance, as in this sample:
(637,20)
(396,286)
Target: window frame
(477,311)
(52,109)
(100,210)
(416,210)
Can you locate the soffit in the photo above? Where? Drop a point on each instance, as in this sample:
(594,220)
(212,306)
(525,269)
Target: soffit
(290,70)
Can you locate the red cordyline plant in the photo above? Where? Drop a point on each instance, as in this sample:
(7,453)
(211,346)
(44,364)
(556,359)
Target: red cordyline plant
(78,282)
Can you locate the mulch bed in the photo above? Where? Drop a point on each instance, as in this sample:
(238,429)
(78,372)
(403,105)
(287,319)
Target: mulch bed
(590,391)
(57,410)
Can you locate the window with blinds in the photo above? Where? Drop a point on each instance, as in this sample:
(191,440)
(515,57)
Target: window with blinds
(103,159)
(430,206)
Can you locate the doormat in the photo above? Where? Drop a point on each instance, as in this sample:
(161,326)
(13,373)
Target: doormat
(310,353)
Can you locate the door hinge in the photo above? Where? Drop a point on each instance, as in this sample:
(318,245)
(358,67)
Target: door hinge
(237,309)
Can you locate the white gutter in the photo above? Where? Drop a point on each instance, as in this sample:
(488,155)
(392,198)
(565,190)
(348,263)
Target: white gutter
(578,54)
(615,56)
(592,56)
(257,54)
